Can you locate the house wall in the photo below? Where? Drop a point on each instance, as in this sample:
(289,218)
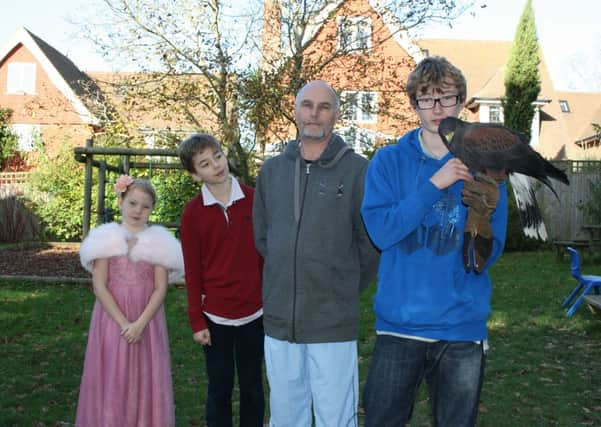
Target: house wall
(384,69)
(48,108)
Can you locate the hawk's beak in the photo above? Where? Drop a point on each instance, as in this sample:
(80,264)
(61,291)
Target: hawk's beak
(449,135)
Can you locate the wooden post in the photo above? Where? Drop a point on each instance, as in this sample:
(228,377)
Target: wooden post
(100,214)
(125,164)
(87,191)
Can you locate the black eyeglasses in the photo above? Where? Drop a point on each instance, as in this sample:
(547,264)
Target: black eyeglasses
(444,101)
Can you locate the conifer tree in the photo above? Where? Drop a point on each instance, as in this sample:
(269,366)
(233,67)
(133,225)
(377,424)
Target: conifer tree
(522,78)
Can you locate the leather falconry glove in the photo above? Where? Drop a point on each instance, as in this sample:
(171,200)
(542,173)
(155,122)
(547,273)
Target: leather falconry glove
(480,196)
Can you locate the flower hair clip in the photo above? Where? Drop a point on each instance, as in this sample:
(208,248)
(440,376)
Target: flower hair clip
(122,183)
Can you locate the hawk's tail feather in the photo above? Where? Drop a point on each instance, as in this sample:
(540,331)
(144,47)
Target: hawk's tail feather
(530,214)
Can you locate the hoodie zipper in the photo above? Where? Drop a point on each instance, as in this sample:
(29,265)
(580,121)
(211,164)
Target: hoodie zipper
(307,173)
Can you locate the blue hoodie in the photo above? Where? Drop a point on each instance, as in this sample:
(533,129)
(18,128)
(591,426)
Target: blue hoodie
(423,288)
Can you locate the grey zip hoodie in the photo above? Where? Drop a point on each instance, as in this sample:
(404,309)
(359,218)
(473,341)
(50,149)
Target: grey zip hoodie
(318,256)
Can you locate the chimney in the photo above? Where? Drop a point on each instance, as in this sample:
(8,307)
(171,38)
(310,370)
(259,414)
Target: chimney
(272,34)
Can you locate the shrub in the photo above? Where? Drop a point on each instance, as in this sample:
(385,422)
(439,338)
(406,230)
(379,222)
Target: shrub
(174,189)
(8,140)
(56,190)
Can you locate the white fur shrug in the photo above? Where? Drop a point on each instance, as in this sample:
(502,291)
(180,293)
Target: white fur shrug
(155,245)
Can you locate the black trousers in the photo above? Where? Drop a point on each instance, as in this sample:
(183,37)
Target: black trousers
(242,347)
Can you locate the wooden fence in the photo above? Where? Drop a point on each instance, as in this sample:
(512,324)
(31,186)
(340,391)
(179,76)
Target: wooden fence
(563,217)
(12,183)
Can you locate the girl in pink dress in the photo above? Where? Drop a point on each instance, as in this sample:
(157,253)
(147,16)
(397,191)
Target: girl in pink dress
(127,370)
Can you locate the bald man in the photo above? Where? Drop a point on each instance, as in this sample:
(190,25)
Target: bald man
(318,258)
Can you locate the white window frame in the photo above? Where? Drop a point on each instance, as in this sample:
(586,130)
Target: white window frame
(354,34)
(564,106)
(27,135)
(495,112)
(21,78)
(358,138)
(357,107)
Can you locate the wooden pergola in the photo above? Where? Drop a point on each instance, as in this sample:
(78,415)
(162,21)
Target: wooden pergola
(123,165)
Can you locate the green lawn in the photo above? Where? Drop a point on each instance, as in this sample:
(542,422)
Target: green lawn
(542,369)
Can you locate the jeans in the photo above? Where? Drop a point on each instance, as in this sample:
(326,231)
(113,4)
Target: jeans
(318,376)
(242,346)
(453,370)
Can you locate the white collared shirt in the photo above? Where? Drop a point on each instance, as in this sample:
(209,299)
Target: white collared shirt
(235,194)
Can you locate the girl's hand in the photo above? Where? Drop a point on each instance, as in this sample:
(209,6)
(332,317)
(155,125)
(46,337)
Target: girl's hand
(202,337)
(132,333)
(451,172)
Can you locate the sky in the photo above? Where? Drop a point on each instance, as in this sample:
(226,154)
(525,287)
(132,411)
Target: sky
(568,32)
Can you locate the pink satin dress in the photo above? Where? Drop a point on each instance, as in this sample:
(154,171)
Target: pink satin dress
(127,384)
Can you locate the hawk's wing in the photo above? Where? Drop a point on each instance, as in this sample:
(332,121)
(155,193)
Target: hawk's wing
(492,147)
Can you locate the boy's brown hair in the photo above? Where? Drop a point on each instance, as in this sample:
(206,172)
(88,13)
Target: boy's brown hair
(435,71)
(196,143)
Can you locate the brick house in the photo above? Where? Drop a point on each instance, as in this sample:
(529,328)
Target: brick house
(44,90)
(374,104)
(56,103)
(370,78)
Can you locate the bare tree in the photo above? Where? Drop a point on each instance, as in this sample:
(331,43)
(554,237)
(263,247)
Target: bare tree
(301,52)
(187,56)
(204,60)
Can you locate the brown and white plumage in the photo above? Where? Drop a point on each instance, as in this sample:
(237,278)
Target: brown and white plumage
(487,147)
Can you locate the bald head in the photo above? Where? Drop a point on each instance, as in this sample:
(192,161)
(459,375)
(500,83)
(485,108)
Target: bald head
(316,111)
(319,85)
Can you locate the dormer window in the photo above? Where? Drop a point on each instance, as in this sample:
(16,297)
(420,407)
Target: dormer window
(21,78)
(354,34)
(565,107)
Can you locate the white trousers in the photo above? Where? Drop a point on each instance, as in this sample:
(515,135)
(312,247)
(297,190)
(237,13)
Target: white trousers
(324,375)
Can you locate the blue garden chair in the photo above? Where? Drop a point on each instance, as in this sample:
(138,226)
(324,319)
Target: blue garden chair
(586,283)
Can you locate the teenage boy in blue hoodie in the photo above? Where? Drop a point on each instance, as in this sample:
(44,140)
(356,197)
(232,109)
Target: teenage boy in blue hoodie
(431,311)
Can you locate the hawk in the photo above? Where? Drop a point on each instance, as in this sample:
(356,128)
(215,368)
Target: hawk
(492,149)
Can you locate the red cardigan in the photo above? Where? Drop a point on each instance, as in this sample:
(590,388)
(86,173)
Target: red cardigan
(223,268)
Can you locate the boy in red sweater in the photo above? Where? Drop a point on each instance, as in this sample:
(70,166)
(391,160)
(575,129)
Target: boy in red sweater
(223,279)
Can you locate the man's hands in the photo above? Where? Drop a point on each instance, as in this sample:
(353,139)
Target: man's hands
(202,337)
(480,195)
